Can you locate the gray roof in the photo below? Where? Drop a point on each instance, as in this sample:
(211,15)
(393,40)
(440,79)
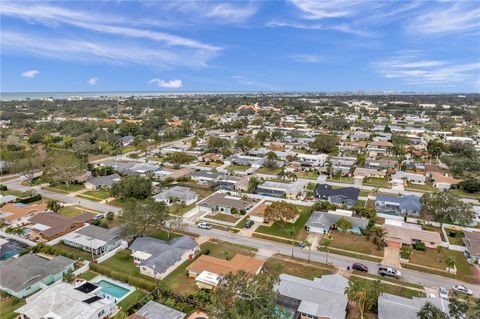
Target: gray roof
(326,220)
(390,306)
(100,233)
(154,310)
(207,174)
(7,198)
(164,253)
(20,273)
(220,199)
(184,194)
(104,181)
(323,297)
(406,202)
(325,191)
(119,166)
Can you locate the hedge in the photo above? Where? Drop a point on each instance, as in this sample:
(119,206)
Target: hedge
(120,276)
(30,199)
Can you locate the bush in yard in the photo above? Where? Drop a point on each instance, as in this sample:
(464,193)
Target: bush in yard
(30,199)
(405,251)
(206,251)
(420,246)
(3,188)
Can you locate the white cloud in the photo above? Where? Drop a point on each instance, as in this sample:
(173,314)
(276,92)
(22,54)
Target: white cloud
(308,58)
(171,84)
(412,69)
(345,28)
(30,74)
(161,48)
(450,18)
(314,9)
(92,81)
(216,12)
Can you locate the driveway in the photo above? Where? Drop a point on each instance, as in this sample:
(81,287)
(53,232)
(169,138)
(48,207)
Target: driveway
(249,231)
(391,257)
(314,239)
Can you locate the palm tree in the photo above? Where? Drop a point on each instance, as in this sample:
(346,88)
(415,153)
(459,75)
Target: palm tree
(291,232)
(309,245)
(357,293)
(54,205)
(450,262)
(293,176)
(327,244)
(329,169)
(282,174)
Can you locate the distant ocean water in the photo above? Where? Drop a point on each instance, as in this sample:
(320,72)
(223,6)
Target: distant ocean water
(18,96)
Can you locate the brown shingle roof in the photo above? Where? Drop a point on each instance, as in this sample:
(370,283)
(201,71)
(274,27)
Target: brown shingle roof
(222,267)
(59,223)
(13,211)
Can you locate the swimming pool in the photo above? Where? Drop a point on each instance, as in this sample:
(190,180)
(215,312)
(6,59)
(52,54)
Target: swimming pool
(10,249)
(112,289)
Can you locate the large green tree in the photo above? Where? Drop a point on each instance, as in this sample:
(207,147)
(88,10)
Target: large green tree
(178,158)
(280,212)
(438,206)
(132,186)
(63,168)
(243,295)
(325,143)
(143,217)
(429,311)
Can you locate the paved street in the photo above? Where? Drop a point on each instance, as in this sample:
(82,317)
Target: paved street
(412,276)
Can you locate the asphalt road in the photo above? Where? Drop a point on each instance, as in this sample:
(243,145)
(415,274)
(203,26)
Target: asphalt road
(412,276)
(408,275)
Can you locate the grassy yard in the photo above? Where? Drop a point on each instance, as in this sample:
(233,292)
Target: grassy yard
(461,193)
(376,182)
(361,203)
(222,249)
(422,188)
(178,281)
(280,265)
(123,262)
(64,189)
(131,300)
(234,167)
(341,179)
(8,304)
(74,251)
(266,170)
(72,211)
(163,235)
(276,229)
(364,193)
(209,164)
(354,243)
(308,174)
(224,217)
(179,210)
(88,275)
(395,290)
(431,258)
(455,237)
(97,195)
(14,192)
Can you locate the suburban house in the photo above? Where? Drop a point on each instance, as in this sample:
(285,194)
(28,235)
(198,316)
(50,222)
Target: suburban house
(412,178)
(322,222)
(29,273)
(102,181)
(121,167)
(396,236)
(176,195)
(381,163)
(48,226)
(162,174)
(311,160)
(378,147)
(472,245)
(97,240)
(390,306)
(223,203)
(443,180)
(154,310)
(67,301)
(207,177)
(208,270)
(339,196)
(343,161)
(369,172)
(258,213)
(157,258)
(234,183)
(294,190)
(321,298)
(17,213)
(143,169)
(7,199)
(398,205)
(127,140)
(243,160)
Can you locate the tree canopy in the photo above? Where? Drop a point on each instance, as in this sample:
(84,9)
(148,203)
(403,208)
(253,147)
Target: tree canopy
(132,186)
(442,205)
(281,212)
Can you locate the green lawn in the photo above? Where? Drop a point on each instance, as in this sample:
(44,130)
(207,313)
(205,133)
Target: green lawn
(376,182)
(131,300)
(276,229)
(163,235)
(210,164)
(354,243)
(278,266)
(88,275)
(455,237)
(179,210)
(222,249)
(308,174)
(422,188)
(360,203)
(341,179)
(364,193)
(395,290)
(123,262)
(224,217)
(8,304)
(234,167)
(64,189)
(99,195)
(461,193)
(74,251)
(179,282)
(72,211)
(14,192)
(266,170)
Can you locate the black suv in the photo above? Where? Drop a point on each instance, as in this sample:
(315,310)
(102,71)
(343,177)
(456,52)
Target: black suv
(359,267)
(249,223)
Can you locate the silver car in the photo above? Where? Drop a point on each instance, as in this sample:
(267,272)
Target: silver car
(443,293)
(462,290)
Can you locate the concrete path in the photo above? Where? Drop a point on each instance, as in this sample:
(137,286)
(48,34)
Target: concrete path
(391,257)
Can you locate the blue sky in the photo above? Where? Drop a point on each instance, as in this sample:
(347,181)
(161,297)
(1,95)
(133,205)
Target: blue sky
(291,45)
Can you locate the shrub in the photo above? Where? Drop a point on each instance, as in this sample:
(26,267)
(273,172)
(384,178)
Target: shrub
(420,246)
(3,188)
(30,199)
(206,251)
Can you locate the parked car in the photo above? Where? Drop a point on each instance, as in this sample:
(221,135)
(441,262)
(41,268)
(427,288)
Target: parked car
(359,267)
(204,226)
(462,289)
(389,271)
(249,223)
(443,293)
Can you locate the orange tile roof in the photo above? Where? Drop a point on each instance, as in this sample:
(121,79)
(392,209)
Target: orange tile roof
(13,211)
(222,267)
(440,178)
